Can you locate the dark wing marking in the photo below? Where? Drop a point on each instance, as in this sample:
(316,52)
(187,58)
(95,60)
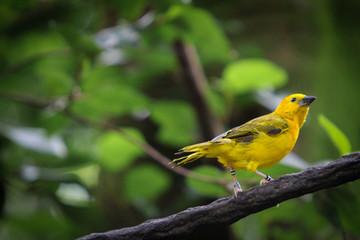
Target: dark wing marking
(246,139)
(274,131)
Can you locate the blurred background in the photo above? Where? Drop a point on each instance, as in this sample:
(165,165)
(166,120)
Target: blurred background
(84,84)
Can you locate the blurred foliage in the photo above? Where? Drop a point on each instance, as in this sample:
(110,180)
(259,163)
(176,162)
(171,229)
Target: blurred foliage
(339,139)
(139,178)
(170,115)
(199,27)
(116,152)
(204,188)
(113,61)
(248,75)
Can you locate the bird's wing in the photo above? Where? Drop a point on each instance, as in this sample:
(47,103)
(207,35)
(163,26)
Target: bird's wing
(268,124)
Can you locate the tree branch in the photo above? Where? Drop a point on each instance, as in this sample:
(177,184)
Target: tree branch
(147,148)
(61,105)
(195,83)
(228,210)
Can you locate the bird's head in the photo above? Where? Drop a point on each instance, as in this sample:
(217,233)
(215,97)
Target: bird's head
(295,107)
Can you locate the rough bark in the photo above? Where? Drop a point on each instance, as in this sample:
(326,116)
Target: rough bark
(228,210)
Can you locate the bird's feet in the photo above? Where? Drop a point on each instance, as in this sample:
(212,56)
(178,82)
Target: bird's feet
(237,188)
(266,180)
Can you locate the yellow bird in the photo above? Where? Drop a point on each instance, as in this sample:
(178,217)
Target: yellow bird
(259,143)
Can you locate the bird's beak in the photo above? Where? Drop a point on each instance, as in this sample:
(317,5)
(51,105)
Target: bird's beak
(306,101)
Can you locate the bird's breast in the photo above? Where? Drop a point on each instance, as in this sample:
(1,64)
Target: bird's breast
(271,149)
(264,151)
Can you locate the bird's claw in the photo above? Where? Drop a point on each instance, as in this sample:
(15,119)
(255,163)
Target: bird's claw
(237,188)
(263,181)
(266,180)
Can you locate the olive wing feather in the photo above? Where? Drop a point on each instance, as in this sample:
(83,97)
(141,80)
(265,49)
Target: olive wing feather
(247,132)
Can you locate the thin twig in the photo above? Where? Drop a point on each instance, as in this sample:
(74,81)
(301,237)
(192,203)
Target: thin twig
(27,99)
(75,89)
(147,148)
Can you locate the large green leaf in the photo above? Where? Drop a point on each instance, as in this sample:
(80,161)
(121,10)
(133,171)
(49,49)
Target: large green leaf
(199,26)
(55,75)
(145,182)
(338,138)
(35,43)
(105,94)
(35,65)
(115,101)
(116,152)
(205,188)
(152,62)
(176,121)
(248,75)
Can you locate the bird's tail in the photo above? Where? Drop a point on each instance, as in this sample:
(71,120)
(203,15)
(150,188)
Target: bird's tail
(197,151)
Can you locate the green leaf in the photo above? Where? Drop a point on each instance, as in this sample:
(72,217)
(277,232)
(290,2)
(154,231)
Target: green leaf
(80,41)
(176,121)
(338,138)
(35,65)
(204,188)
(100,78)
(55,75)
(105,95)
(36,43)
(87,175)
(199,27)
(152,62)
(116,152)
(130,9)
(252,74)
(145,181)
(115,101)
(83,144)
(53,122)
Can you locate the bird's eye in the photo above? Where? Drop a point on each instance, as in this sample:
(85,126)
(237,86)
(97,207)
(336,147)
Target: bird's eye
(293,99)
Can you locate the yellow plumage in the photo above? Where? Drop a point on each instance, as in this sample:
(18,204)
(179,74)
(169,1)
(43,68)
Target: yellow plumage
(259,143)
